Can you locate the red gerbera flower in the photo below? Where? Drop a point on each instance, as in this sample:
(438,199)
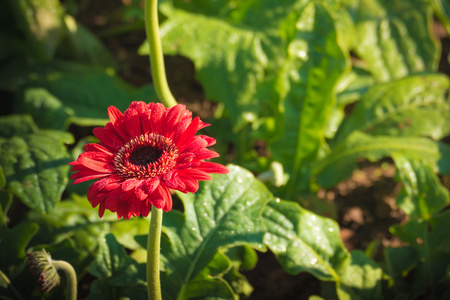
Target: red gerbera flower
(141,155)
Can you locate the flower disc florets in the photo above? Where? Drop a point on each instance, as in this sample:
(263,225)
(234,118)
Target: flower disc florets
(143,153)
(146,156)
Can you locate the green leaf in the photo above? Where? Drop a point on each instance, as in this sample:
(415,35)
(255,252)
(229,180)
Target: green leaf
(312,69)
(13,243)
(34,27)
(413,106)
(224,212)
(70,232)
(229,59)
(341,162)
(16,125)
(46,109)
(400,261)
(82,92)
(233,46)
(36,167)
(430,242)
(115,270)
(394,37)
(209,284)
(442,10)
(125,231)
(362,279)
(81,45)
(304,242)
(422,194)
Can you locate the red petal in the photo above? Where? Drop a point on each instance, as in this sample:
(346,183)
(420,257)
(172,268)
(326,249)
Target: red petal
(150,185)
(161,198)
(188,134)
(130,184)
(211,167)
(96,165)
(107,138)
(101,209)
(195,145)
(191,185)
(82,176)
(211,141)
(145,208)
(114,114)
(117,121)
(173,116)
(157,111)
(194,174)
(97,148)
(132,120)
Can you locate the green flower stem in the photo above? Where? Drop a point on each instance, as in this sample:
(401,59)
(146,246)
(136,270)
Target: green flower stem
(156,55)
(71,276)
(153,248)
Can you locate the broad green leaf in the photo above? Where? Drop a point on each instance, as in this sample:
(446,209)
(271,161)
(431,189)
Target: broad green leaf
(362,279)
(125,231)
(341,162)
(209,284)
(114,264)
(352,85)
(14,243)
(399,262)
(413,106)
(115,270)
(32,27)
(16,125)
(36,167)
(224,212)
(394,37)
(314,65)
(264,15)
(233,46)
(70,232)
(81,188)
(46,110)
(422,194)
(229,59)
(430,242)
(82,92)
(79,44)
(304,242)
(442,10)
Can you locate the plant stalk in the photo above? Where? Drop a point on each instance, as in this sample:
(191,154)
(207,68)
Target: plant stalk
(153,249)
(156,55)
(71,276)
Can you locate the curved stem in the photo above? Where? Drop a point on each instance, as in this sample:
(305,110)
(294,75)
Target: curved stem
(156,55)
(153,248)
(71,276)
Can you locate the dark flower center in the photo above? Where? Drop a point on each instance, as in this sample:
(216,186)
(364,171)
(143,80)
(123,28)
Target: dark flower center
(144,155)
